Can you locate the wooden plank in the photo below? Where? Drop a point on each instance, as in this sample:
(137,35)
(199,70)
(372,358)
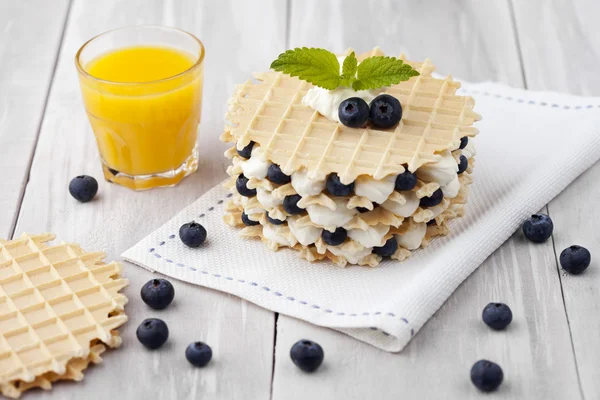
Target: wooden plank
(474,41)
(240,333)
(561,51)
(30,34)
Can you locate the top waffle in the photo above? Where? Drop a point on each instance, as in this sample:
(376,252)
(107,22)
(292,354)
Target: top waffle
(55,302)
(270,112)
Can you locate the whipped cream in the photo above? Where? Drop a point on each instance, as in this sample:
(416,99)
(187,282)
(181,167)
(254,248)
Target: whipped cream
(442,172)
(375,190)
(257,210)
(325,217)
(469,150)
(372,237)
(267,199)
(305,185)
(306,234)
(451,189)
(352,257)
(412,239)
(278,234)
(404,210)
(257,165)
(327,102)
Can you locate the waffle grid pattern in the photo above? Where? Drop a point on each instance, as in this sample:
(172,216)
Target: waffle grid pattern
(54,302)
(271,113)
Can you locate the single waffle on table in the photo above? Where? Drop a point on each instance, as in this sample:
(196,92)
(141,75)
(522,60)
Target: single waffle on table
(59,309)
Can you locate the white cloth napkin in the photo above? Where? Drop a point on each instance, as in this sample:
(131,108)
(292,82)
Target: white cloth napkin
(531,146)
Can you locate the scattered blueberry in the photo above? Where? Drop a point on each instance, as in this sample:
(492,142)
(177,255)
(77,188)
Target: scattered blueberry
(198,354)
(274,221)
(158,293)
(462,164)
(385,111)
(247,221)
(83,188)
(334,238)
(432,201)
(152,333)
(388,249)
(497,316)
(575,259)
(290,204)
(307,355)
(337,188)
(406,181)
(464,141)
(538,228)
(353,112)
(246,152)
(275,175)
(192,234)
(241,184)
(486,375)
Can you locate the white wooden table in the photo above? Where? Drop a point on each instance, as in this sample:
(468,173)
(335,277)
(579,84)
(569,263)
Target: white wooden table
(550,351)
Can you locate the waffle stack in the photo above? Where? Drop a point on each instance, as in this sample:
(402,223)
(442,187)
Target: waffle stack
(268,124)
(59,310)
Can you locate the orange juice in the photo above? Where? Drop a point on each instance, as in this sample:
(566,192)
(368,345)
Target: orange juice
(143,103)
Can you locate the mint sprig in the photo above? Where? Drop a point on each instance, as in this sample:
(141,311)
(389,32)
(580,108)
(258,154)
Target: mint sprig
(322,68)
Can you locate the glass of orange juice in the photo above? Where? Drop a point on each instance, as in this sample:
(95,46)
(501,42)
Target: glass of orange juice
(142,90)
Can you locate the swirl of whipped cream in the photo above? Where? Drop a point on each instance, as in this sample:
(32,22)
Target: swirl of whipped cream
(372,237)
(267,199)
(352,257)
(257,165)
(327,102)
(306,234)
(278,234)
(451,189)
(404,210)
(375,190)
(442,172)
(305,185)
(323,216)
(412,239)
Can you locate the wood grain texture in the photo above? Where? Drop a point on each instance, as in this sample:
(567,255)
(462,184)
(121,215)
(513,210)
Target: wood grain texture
(561,51)
(436,363)
(240,333)
(30,33)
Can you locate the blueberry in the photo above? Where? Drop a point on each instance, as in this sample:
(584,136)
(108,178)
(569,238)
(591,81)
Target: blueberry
(486,375)
(538,228)
(497,316)
(275,175)
(575,259)
(83,188)
(385,111)
(158,293)
(241,184)
(246,152)
(462,164)
(152,333)
(307,355)
(274,221)
(432,201)
(406,181)
(290,204)
(388,249)
(334,238)
(464,141)
(247,221)
(198,354)
(192,234)
(353,112)
(337,188)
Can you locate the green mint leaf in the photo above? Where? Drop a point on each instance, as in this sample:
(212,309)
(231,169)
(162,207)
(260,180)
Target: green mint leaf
(349,70)
(380,71)
(317,66)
